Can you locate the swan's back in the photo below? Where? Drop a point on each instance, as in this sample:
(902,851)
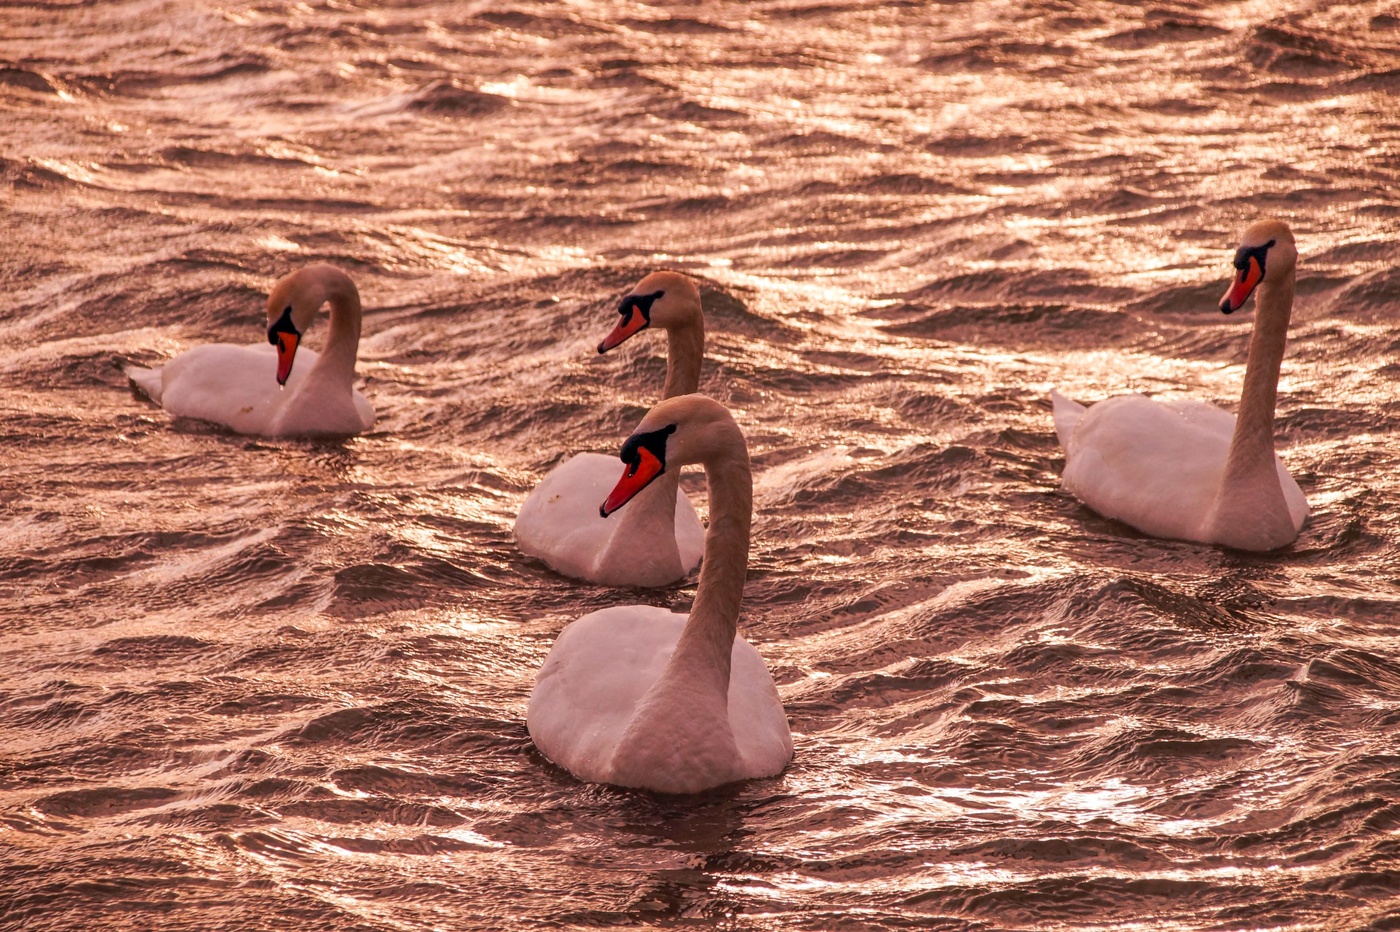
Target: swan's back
(1155,465)
(226,384)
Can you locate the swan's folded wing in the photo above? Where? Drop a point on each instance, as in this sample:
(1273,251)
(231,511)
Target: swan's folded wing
(1154,466)
(227,384)
(587,691)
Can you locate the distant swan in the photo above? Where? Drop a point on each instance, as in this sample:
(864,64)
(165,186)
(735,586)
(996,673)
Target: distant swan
(1186,469)
(637,696)
(658,541)
(253,389)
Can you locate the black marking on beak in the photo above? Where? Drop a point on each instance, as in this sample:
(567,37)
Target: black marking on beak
(1261,253)
(283,324)
(642,302)
(653,441)
(645,459)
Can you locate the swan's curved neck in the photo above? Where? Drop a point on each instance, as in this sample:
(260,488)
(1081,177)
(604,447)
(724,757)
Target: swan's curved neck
(337,360)
(706,644)
(1251,456)
(685,351)
(681,725)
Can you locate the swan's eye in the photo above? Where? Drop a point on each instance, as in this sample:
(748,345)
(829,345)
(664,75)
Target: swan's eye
(642,302)
(653,442)
(1257,253)
(283,325)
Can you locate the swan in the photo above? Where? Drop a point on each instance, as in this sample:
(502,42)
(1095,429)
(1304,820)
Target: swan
(659,540)
(638,696)
(254,389)
(1186,469)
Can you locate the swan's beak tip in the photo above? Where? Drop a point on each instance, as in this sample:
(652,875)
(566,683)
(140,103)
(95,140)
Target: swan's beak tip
(602,511)
(629,325)
(1225,307)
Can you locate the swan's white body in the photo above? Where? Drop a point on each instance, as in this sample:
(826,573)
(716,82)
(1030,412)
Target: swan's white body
(1156,465)
(637,696)
(236,386)
(601,668)
(658,540)
(656,544)
(1186,469)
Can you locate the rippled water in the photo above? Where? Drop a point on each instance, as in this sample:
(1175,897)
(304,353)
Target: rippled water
(266,685)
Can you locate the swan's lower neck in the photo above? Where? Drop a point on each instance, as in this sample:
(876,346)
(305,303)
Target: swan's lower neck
(1250,510)
(685,351)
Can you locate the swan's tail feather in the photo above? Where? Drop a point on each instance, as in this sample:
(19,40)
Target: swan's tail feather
(148,381)
(1067,415)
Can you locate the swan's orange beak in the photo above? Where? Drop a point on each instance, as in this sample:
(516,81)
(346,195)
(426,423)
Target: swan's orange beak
(630,324)
(284,335)
(637,476)
(1243,285)
(286,352)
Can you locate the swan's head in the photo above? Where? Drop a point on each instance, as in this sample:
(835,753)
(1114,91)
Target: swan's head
(678,431)
(292,306)
(1267,253)
(663,299)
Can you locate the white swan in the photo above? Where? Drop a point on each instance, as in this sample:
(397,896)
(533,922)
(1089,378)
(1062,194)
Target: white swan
(659,539)
(254,389)
(1186,469)
(637,696)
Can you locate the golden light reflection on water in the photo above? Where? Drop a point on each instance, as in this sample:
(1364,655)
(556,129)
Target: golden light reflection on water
(300,669)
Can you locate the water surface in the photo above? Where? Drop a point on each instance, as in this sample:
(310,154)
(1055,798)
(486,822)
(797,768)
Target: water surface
(267,684)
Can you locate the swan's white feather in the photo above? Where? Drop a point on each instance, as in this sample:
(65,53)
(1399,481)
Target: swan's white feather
(1155,465)
(236,386)
(559,524)
(595,676)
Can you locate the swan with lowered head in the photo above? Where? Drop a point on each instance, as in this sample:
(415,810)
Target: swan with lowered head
(659,539)
(254,389)
(1186,469)
(638,696)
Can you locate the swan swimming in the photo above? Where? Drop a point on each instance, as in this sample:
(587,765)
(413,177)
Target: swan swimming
(1186,469)
(638,696)
(254,389)
(660,539)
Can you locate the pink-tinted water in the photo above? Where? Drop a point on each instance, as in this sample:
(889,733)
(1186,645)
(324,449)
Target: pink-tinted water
(265,685)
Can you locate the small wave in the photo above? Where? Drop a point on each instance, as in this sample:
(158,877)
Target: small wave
(104,801)
(143,83)
(1292,53)
(30,80)
(150,647)
(1164,30)
(454,99)
(679,25)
